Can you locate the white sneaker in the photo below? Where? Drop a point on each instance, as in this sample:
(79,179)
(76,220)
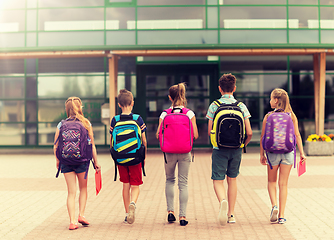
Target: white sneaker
(131,216)
(222,216)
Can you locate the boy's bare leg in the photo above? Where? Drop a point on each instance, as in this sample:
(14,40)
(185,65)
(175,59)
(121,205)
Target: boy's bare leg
(218,186)
(126,196)
(231,194)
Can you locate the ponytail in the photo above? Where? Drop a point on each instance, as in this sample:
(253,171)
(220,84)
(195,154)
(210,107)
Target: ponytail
(178,94)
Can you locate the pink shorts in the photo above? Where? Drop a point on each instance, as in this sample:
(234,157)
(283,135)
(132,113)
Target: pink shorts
(131,174)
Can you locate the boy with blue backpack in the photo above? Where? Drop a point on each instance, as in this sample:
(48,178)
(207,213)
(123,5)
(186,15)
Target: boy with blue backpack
(128,149)
(229,130)
(279,136)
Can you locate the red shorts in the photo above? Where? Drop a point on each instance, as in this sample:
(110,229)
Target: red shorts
(130,174)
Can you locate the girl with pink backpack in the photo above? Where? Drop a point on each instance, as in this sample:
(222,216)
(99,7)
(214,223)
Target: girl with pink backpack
(177,123)
(275,151)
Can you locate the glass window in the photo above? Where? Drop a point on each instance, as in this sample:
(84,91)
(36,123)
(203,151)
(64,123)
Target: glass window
(72,3)
(9,66)
(326,17)
(298,63)
(31,87)
(252,36)
(177,37)
(12,20)
(31,39)
(12,4)
(327,36)
(31,111)
(71,65)
(197,85)
(212,17)
(212,2)
(308,36)
(46,133)
(121,38)
(305,16)
(12,134)
(253,63)
(259,84)
(171,2)
(253,2)
(11,111)
(329,63)
(11,40)
(304,2)
(31,66)
(117,18)
(31,3)
(326,2)
(11,87)
(31,134)
(253,17)
(71,19)
(31,20)
(169,18)
(49,39)
(66,86)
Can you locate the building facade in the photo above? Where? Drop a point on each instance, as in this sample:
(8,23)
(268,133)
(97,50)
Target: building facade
(50,50)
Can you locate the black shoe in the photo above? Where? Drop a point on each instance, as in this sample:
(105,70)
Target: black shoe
(183,222)
(171,217)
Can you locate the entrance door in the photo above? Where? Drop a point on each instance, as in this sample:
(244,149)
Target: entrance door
(153,82)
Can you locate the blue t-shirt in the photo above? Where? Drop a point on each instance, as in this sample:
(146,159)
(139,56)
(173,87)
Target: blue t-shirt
(140,122)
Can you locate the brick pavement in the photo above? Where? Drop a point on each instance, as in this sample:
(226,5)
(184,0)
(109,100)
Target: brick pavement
(32,202)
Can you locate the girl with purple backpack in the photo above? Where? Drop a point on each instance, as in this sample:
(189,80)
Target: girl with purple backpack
(279,101)
(73,107)
(182,160)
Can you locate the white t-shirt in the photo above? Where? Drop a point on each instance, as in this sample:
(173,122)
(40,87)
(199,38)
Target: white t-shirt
(190,113)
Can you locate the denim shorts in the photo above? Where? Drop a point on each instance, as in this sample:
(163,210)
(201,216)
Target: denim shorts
(225,162)
(74,168)
(284,158)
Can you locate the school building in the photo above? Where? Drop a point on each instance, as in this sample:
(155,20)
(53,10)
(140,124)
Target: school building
(50,50)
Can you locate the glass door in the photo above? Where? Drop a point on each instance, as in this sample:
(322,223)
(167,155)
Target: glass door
(152,94)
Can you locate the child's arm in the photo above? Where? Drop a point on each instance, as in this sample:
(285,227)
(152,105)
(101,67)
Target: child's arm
(94,152)
(157,133)
(193,120)
(55,147)
(263,158)
(249,131)
(298,138)
(210,122)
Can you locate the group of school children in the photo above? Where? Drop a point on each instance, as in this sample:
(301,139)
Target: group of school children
(225,160)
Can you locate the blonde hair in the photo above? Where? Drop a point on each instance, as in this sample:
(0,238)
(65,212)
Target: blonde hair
(283,99)
(178,94)
(73,106)
(125,98)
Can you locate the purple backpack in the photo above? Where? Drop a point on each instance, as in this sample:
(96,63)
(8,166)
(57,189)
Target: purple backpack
(74,145)
(279,135)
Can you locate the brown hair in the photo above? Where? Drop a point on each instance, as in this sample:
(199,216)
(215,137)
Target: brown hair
(73,107)
(178,94)
(125,98)
(227,82)
(283,99)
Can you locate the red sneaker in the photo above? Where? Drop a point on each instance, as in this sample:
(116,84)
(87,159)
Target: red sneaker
(73,226)
(83,220)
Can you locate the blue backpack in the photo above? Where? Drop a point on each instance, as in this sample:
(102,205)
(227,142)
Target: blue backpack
(126,142)
(74,146)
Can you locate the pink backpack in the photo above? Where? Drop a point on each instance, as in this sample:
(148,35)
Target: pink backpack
(176,132)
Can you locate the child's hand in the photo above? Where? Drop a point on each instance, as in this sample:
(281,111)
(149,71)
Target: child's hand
(97,167)
(302,158)
(263,160)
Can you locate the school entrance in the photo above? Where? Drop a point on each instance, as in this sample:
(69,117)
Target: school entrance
(153,82)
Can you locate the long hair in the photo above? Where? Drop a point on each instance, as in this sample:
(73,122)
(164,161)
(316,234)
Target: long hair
(283,99)
(178,94)
(73,106)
